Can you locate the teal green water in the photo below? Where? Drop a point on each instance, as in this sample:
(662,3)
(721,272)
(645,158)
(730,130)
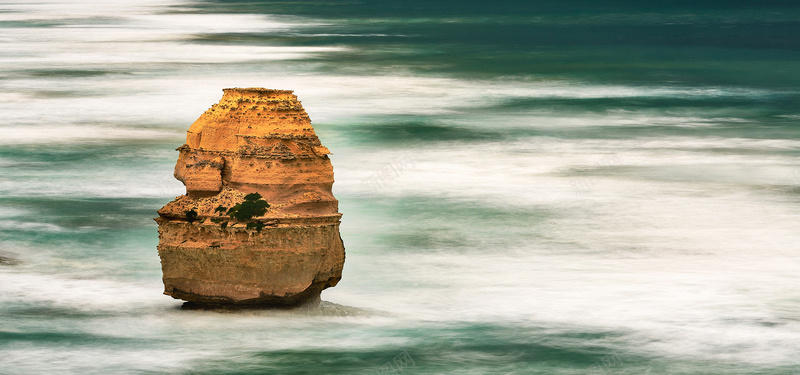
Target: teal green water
(564,187)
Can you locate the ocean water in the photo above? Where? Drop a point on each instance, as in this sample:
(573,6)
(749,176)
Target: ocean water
(570,187)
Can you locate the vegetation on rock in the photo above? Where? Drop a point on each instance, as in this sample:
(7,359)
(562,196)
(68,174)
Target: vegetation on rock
(252,206)
(257,225)
(191,216)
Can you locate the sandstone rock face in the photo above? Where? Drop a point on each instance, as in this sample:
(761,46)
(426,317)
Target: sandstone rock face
(216,245)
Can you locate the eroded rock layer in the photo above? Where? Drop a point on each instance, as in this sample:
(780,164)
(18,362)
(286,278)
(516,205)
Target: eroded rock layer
(219,243)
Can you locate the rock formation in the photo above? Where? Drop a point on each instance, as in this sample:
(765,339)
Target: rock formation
(259,223)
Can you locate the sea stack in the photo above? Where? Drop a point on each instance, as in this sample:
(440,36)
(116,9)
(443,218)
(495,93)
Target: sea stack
(259,224)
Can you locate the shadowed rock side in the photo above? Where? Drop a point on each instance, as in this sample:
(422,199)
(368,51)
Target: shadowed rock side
(218,244)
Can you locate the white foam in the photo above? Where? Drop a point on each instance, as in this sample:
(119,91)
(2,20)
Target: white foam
(409,95)
(179,99)
(678,239)
(50,10)
(74,133)
(545,169)
(81,294)
(29,226)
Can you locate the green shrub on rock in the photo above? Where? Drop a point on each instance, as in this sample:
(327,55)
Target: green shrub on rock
(191,216)
(252,197)
(252,206)
(257,225)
